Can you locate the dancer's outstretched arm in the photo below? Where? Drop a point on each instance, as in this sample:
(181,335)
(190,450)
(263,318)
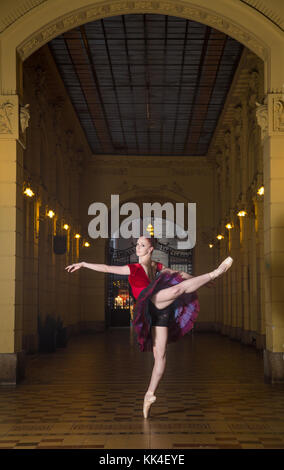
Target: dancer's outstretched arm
(104,268)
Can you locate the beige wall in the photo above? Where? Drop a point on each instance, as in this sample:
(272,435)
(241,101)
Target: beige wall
(174,179)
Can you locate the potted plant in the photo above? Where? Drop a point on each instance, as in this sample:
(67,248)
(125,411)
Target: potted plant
(61,337)
(47,334)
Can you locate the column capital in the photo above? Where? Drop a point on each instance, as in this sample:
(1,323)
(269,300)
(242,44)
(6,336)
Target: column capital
(270,115)
(14,119)
(9,117)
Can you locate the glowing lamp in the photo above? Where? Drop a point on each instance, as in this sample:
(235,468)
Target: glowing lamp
(242,213)
(66,226)
(28,192)
(77,235)
(261,191)
(220,237)
(50,213)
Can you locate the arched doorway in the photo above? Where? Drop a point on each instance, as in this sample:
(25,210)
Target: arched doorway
(258,33)
(120,301)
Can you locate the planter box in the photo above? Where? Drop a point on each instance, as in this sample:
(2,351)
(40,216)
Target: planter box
(62,338)
(47,342)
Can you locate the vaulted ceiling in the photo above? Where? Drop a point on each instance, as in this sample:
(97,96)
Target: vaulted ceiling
(147,84)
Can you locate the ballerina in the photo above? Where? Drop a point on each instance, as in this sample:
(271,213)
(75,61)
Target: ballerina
(166,304)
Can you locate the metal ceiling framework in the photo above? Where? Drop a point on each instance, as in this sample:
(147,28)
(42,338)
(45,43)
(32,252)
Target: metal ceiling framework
(147,84)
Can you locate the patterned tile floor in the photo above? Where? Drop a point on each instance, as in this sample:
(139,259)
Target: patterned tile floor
(90,395)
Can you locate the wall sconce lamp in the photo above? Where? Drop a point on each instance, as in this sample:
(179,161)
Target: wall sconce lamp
(242,213)
(87,244)
(66,226)
(28,191)
(220,237)
(229,226)
(260,191)
(77,235)
(50,214)
(211,245)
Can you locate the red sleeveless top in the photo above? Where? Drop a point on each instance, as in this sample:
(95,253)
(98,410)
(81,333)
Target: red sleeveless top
(138,278)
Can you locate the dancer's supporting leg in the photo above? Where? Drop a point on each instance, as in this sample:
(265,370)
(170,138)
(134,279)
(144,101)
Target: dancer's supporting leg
(160,337)
(165,297)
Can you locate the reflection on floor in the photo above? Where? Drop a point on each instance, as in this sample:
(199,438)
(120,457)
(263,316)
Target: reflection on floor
(90,395)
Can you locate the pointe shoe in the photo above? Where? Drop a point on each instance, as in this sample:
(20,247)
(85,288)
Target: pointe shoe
(148,400)
(224,266)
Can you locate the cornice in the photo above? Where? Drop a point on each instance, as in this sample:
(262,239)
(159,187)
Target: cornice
(174,163)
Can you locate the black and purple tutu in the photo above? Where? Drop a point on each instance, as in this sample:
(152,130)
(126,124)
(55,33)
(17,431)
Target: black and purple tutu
(179,316)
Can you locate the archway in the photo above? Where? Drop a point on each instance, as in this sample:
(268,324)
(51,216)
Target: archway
(38,26)
(30,31)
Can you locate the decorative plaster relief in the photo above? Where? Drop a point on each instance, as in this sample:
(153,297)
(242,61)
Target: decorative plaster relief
(278,114)
(6,118)
(104,9)
(9,126)
(270,115)
(24,117)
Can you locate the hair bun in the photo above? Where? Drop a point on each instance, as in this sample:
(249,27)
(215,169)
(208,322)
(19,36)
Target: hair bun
(153,241)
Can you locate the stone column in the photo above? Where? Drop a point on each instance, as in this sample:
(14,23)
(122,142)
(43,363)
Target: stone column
(236,300)
(13,123)
(219,244)
(227,281)
(244,226)
(252,279)
(75,171)
(216,259)
(270,117)
(260,318)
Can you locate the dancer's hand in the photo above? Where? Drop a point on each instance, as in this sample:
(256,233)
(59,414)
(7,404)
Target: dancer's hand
(74,267)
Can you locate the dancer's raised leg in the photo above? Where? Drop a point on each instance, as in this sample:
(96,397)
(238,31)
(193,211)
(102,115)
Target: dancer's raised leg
(160,338)
(165,297)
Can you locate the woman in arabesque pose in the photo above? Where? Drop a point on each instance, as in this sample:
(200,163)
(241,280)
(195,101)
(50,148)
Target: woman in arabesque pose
(166,304)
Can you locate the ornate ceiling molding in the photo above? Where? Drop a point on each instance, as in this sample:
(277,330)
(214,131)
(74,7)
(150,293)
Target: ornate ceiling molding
(110,8)
(174,163)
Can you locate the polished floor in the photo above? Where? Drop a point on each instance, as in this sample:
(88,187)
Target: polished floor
(90,395)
